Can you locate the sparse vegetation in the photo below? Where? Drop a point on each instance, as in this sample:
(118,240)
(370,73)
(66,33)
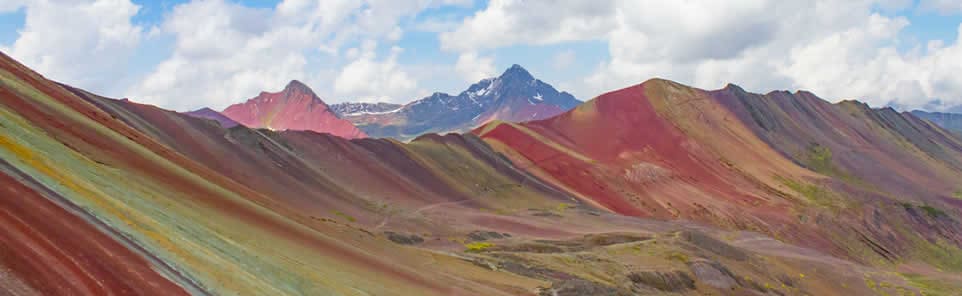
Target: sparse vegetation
(680,257)
(870,283)
(813,193)
(906,205)
(932,211)
(932,287)
(958,194)
(669,281)
(929,210)
(478,246)
(818,158)
(940,254)
(344,216)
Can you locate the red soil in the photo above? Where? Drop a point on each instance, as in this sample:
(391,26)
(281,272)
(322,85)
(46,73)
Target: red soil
(59,253)
(98,147)
(618,130)
(294,108)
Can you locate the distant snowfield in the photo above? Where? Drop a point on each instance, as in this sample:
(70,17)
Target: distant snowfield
(372,113)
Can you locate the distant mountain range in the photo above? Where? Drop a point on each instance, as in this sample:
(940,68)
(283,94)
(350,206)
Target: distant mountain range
(514,96)
(950,121)
(654,189)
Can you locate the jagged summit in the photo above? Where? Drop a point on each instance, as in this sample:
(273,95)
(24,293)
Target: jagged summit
(677,191)
(296,107)
(514,96)
(298,87)
(734,87)
(516,72)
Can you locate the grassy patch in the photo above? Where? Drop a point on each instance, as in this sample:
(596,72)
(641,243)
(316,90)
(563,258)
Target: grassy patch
(813,193)
(478,246)
(927,209)
(344,216)
(958,194)
(932,211)
(932,287)
(938,253)
(680,257)
(906,205)
(942,255)
(563,206)
(818,158)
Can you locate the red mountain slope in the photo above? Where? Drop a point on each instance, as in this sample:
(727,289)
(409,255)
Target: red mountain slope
(294,108)
(106,196)
(621,138)
(764,162)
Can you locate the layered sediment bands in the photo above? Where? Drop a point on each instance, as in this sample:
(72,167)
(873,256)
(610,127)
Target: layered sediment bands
(318,174)
(917,158)
(55,251)
(225,236)
(646,164)
(114,197)
(842,178)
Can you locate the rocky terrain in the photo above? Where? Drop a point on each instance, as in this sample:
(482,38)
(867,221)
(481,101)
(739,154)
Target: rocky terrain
(655,189)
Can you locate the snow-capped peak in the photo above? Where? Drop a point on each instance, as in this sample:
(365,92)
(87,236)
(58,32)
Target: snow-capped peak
(372,112)
(473,95)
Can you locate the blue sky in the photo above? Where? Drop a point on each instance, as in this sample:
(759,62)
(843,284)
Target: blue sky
(188,54)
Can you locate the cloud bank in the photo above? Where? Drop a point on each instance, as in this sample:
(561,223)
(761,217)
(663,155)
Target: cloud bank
(221,52)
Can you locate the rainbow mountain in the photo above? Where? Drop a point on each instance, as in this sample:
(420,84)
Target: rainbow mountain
(657,188)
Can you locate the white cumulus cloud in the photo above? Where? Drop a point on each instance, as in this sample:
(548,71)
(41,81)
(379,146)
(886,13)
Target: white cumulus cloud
(369,79)
(473,67)
(86,43)
(838,49)
(225,52)
(508,22)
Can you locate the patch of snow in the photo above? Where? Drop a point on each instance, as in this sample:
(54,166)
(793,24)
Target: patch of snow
(373,113)
(473,97)
(537,98)
(481,92)
(418,102)
(485,90)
